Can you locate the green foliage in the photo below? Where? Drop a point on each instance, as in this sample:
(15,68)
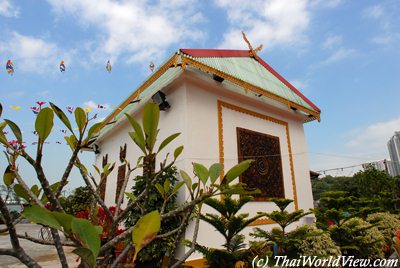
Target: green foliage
(158,248)
(282,217)
(44,123)
(278,236)
(81,229)
(373,189)
(387,224)
(229,224)
(79,200)
(145,230)
(358,238)
(311,241)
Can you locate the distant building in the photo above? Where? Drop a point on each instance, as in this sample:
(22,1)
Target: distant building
(382,165)
(394,152)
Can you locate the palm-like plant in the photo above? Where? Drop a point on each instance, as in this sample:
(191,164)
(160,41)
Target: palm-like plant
(229,224)
(278,236)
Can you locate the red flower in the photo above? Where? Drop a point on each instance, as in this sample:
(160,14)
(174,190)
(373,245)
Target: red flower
(398,234)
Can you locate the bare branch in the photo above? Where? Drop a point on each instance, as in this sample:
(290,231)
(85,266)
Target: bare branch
(192,248)
(45,242)
(122,255)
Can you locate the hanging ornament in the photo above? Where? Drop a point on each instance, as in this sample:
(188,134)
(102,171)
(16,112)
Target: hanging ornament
(35,110)
(62,66)
(70,109)
(108,66)
(99,106)
(10,67)
(151,66)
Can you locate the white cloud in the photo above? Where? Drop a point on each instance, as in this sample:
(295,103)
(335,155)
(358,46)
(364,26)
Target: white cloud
(7,9)
(332,41)
(386,19)
(271,22)
(374,12)
(372,139)
(32,54)
(338,55)
(134,30)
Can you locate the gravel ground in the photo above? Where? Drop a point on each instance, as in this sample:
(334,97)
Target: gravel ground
(46,256)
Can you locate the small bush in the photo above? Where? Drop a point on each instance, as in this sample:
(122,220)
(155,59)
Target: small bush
(387,224)
(314,242)
(358,238)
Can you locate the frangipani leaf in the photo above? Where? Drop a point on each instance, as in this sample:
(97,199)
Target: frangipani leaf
(44,123)
(146,230)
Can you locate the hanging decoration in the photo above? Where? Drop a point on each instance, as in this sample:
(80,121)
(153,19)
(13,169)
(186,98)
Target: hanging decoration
(99,106)
(64,131)
(108,66)
(151,66)
(35,132)
(58,142)
(35,110)
(10,67)
(15,107)
(70,109)
(5,132)
(62,66)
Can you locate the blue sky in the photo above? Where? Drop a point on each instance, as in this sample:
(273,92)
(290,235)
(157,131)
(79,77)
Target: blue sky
(341,54)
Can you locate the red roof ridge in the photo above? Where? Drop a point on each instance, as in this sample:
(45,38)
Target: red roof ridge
(245,53)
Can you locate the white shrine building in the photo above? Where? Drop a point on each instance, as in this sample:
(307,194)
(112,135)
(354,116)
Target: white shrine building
(227,104)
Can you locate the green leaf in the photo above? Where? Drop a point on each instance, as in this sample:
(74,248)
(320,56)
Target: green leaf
(64,219)
(167,186)
(178,152)
(236,171)
(36,190)
(167,141)
(93,130)
(44,123)
(97,169)
(186,178)
(160,189)
(177,187)
(138,130)
(80,119)
(131,196)
(146,230)
(141,144)
(151,115)
(201,172)
(20,192)
(3,138)
(88,235)
(61,115)
(72,141)
(215,171)
(15,129)
(86,255)
(9,176)
(42,216)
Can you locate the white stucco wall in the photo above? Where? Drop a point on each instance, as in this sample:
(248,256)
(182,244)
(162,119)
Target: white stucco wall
(194,112)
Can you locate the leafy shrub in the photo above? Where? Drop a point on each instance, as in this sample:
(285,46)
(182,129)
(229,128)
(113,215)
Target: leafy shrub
(314,242)
(387,224)
(358,238)
(80,200)
(157,249)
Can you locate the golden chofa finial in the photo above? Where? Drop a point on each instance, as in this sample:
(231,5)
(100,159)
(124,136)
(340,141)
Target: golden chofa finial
(253,52)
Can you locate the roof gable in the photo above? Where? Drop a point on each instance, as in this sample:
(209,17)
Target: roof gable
(237,66)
